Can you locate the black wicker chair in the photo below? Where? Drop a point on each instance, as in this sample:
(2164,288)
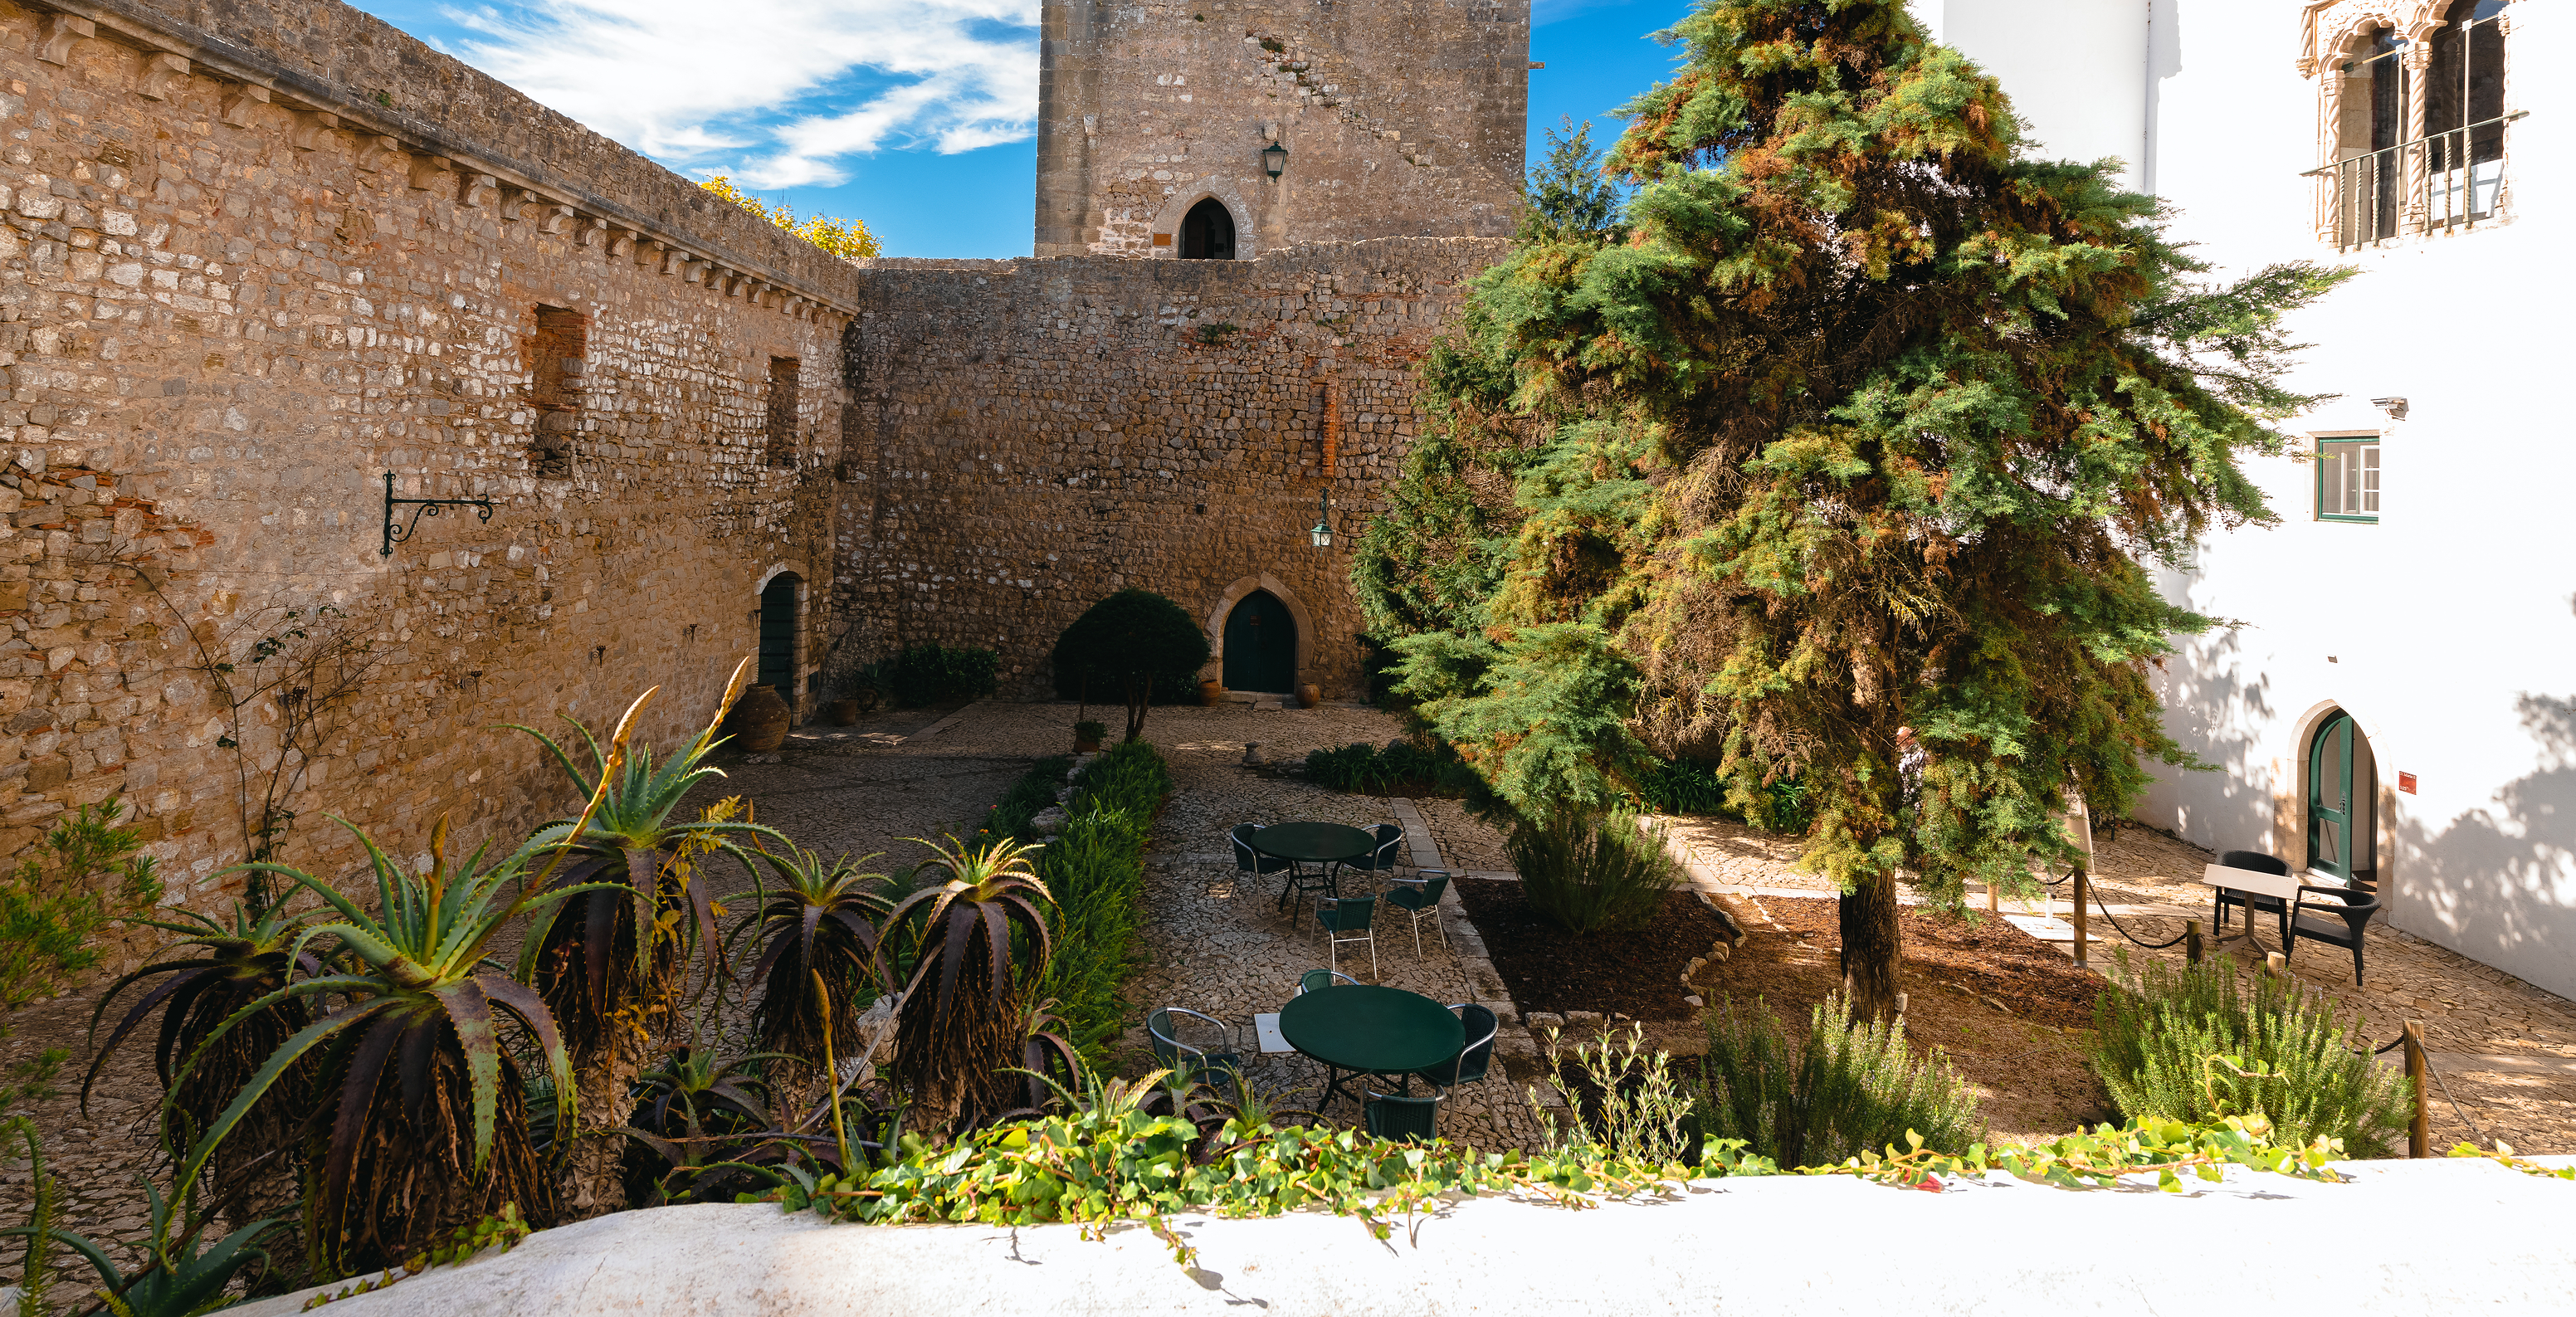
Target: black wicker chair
(2336,925)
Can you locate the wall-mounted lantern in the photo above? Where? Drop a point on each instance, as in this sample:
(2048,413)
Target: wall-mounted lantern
(1274,158)
(1323,531)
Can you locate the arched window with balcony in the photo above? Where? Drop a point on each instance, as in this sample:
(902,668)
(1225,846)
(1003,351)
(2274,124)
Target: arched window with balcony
(2415,123)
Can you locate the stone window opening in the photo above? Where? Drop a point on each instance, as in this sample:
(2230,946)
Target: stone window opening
(1207,234)
(556,359)
(2414,125)
(782,410)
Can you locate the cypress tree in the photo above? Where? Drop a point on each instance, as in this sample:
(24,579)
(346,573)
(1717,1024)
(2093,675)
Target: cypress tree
(1842,451)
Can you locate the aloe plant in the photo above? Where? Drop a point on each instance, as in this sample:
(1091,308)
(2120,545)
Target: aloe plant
(633,912)
(178,1278)
(707,1129)
(960,1028)
(820,919)
(419,1125)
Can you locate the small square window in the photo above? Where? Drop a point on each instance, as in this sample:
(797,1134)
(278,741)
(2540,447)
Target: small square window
(2348,479)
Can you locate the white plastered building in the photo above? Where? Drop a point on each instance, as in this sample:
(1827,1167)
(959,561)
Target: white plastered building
(2414,611)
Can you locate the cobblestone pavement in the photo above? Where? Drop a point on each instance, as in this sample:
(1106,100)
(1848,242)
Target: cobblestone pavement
(1217,942)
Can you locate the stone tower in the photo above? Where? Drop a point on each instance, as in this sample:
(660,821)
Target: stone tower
(1401,118)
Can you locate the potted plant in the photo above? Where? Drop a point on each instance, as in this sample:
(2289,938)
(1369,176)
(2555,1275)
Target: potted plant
(1087,734)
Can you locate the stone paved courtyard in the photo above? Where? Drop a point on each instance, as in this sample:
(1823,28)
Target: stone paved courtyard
(1216,945)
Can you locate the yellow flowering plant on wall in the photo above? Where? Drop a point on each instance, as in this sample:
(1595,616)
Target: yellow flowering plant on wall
(847,239)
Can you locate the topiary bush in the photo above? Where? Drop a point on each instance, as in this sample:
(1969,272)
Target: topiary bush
(1127,643)
(2157,1030)
(1589,872)
(1847,1089)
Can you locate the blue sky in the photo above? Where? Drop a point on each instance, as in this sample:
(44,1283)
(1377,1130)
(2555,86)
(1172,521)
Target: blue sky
(866,109)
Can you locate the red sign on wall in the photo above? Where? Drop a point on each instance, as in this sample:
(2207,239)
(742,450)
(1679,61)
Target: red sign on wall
(2406,783)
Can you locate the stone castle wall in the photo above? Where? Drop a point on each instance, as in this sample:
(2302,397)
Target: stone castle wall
(1028,436)
(254,257)
(1400,118)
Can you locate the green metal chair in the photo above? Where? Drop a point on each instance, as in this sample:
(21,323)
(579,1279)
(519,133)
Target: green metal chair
(1474,1062)
(1348,919)
(1315,980)
(1391,1117)
(1419,898)
(1191,1064)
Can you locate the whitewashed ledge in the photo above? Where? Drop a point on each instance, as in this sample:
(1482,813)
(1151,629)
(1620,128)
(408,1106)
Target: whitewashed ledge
(2475,1235)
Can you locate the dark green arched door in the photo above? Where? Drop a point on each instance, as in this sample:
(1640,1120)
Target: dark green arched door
(1260,645)
(2330,800)
(778,637)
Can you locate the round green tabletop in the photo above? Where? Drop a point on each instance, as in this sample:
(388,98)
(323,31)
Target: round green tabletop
(1378,1030)
(1314,843)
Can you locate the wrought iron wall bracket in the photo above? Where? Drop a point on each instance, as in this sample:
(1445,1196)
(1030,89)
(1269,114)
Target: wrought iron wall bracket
(422,507)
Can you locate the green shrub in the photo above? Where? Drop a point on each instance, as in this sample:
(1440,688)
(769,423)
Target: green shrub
(1095,869)
(1401,767)
(1848,1089)
(931,673)
(1124,647)
(2157,1030)
(1027,798)
(1588,872)
(1685,786)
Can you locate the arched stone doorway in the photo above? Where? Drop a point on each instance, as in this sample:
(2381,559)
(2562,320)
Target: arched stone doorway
(2341,807)
(1207,234)
(1260,645)
(779,601)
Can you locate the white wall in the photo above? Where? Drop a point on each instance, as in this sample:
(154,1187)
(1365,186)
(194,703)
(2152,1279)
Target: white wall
(2076,69)
(2448,629)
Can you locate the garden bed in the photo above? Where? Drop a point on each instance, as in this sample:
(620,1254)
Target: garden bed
(2025,1057)
(1635,972)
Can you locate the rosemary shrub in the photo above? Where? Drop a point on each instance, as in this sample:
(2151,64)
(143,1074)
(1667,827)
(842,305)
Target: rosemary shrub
(1847,1089)
(2159,1030)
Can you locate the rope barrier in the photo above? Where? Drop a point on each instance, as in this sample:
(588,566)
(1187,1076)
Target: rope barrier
(2096,893)
(2455,1102)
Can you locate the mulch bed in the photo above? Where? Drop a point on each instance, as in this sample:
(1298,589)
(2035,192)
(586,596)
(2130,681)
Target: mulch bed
(1987,956)
(2011,1012)
(1633,972)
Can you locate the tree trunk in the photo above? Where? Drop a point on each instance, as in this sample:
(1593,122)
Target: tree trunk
(593,1182)
(1139,691)
(1871,941)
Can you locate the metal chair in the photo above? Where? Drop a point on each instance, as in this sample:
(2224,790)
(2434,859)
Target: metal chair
(2251,901)
(1347,919)
(1474,1062)
(1252,861)
(1386,856)
(1189,1064)
(1391,1117)
(1316,979)
(1419,898)
(2341,926)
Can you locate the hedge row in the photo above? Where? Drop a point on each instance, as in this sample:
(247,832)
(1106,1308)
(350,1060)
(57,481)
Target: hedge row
(1095,868)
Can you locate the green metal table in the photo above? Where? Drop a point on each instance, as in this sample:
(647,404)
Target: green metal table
(1369,1031)
(1330,844)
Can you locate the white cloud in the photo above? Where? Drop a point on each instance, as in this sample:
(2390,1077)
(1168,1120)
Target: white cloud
(772,91)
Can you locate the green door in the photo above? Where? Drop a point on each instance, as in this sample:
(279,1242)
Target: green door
(778,637)
(2330,798)
(1260,645)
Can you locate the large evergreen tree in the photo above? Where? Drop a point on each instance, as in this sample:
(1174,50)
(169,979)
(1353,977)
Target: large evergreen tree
(1850,434)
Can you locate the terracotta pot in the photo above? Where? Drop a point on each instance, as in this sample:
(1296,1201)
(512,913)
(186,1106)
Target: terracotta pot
(844,712)
(1211,694)
(758,723)
(1309,695)
(1086,745)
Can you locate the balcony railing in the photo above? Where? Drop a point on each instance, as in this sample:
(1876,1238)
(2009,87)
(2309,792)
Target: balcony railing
(2445,180)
